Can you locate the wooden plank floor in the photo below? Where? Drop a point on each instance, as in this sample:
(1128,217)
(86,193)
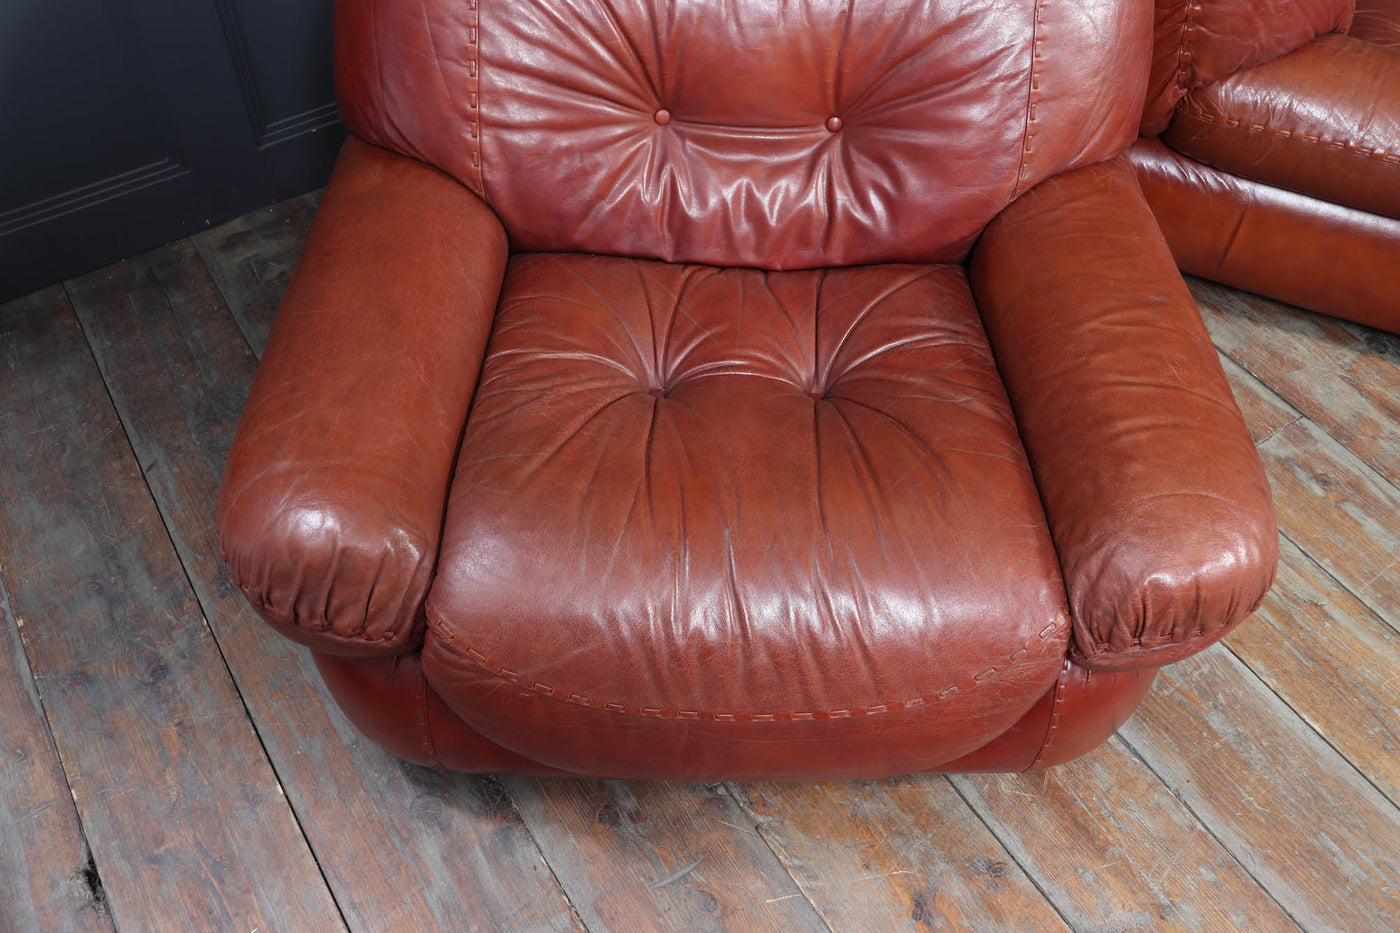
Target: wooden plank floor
(167,762)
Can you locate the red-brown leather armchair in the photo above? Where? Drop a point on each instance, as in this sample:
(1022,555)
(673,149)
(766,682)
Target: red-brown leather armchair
(737,390)
(1278,165)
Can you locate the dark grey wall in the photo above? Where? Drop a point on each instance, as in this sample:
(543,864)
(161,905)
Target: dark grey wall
(127,123)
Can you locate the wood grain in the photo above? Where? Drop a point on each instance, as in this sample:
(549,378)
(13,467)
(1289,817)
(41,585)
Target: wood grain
(402,848)
(188,826)
(46,881)
(657,856)
(1329,371)
(1265,414)
(1297,816)
(1339,511)
(904,853)
(252,258)
(1333,661)
(1111,846)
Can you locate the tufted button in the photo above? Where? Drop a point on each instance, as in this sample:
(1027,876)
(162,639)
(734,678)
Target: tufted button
(662,116)
(657,393)
(833,123)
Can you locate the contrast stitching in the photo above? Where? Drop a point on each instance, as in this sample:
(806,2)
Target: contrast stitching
(1054,725)
(1032,98)
(425,733)
(473,88)
(1234,123)
(564,695)
(1183,50)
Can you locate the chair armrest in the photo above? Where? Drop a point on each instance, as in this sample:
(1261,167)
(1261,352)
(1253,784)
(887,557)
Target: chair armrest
(1323,120)
(332,502)
(1154,493)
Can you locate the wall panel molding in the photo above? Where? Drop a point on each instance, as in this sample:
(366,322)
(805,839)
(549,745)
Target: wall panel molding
(85,196)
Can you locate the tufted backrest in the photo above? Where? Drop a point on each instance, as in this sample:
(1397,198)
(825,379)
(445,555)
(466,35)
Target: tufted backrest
(770,133)
(1199,42)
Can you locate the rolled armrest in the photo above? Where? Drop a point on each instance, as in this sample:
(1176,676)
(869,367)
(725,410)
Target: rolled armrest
(332,502)
(1154,493)
(1323,120)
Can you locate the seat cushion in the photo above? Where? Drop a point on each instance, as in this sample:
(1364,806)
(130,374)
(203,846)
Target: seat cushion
(727,523)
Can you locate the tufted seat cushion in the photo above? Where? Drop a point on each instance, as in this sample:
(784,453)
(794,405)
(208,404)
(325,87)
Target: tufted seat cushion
(707,516)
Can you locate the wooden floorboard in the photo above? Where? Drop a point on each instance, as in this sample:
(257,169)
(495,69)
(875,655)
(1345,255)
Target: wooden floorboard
(187,824)
(900,853)
(1321,840)
(1256,789)
(47,881)
(178,373)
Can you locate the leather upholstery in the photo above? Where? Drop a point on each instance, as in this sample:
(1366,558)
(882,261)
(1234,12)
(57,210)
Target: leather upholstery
(552,111)
(695,423)
(1286,139)
(1131,429)
(331,506)
(812,496)
(1377,21)
(1296,248)
(1199,42)
(391,701)
(1265,124)
(1075,716)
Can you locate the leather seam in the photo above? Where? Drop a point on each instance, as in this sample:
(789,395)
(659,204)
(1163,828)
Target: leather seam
(563,695)
(1183,48)
(1052,727)
(1236,123)
(473,90)
(425,731)
(1032,98)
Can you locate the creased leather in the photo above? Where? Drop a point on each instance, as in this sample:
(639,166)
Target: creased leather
(707,520)
(549,109)
(1155,495)
(1377,21)
(1302,250)
(331,505)
(1199,42)
(1323,121)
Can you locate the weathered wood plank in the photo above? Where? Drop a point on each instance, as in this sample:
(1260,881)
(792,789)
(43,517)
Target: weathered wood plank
(904,853)
(648,855)
(1339,511)
(403,848)
(1333,661)
(1327,371)
(1322,841)
(1113,849)
(252,258)
(1265,414)
(187,824)
(46,881)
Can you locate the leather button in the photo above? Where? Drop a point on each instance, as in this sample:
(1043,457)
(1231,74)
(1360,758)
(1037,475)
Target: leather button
(833,123)
(662,116)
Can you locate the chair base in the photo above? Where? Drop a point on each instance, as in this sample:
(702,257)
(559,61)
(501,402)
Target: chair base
(1280,244)
(391,702)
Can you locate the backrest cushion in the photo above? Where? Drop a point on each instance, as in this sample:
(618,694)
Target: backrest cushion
(1199,42)
(770,133)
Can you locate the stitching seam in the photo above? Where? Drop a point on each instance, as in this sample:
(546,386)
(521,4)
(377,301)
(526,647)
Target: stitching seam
(1183,49)
(1054,725)
(425,733)
(495,667)
(1032,98)
(1380,155)
(473,87)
